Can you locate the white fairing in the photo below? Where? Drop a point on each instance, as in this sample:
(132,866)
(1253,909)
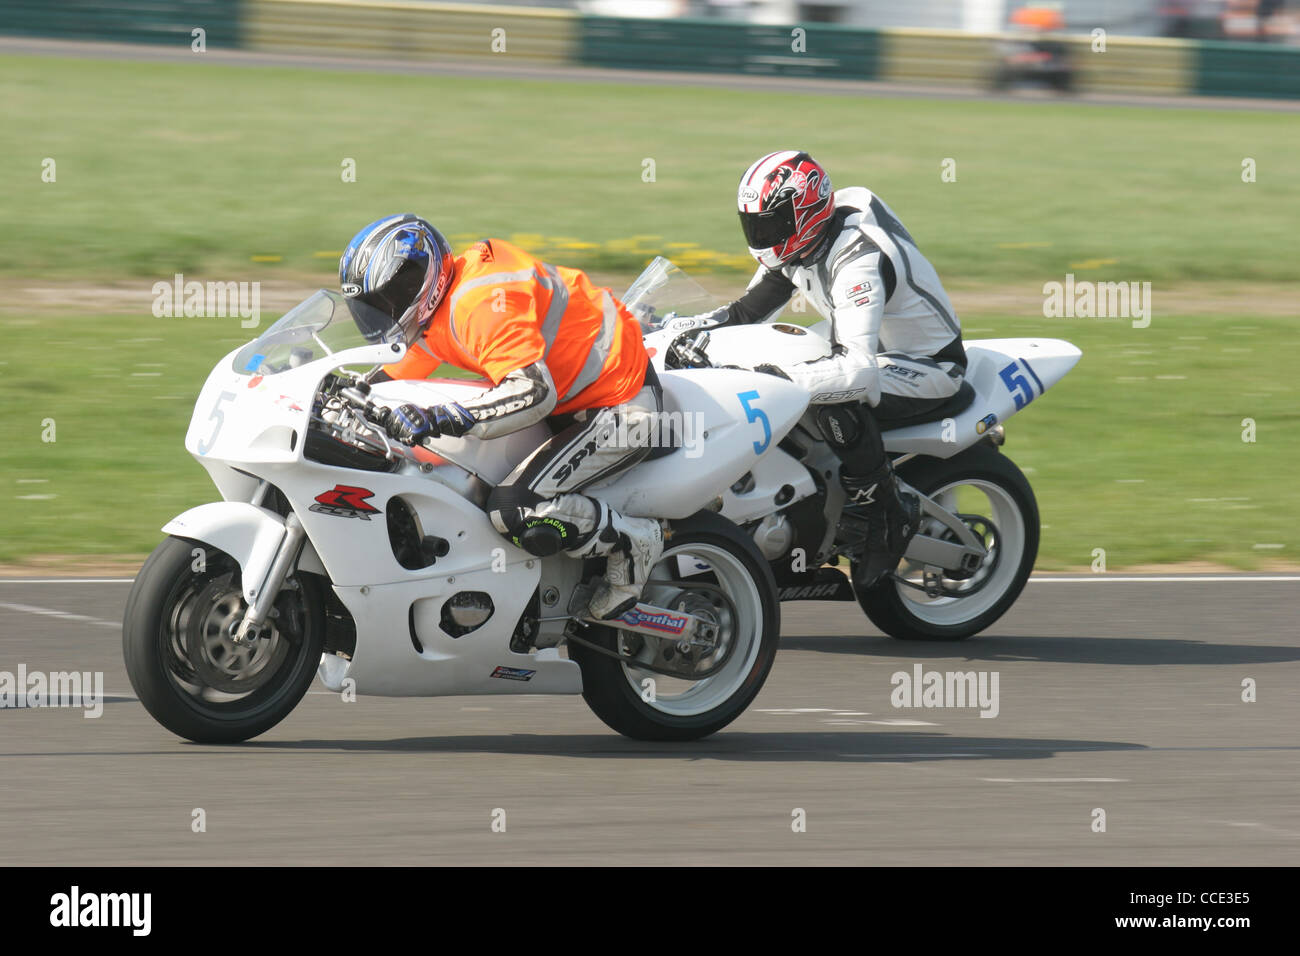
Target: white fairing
(1007,374)
(249,427)
(728,421)
(751,345)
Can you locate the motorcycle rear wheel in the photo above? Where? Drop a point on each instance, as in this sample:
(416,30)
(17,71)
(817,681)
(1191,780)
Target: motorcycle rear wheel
(737,583)
(979,481)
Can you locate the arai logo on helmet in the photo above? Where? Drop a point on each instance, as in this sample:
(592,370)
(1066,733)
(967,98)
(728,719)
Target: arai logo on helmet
(747,194)
(351,289)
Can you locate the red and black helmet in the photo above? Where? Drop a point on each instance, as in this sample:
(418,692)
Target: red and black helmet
(785,201)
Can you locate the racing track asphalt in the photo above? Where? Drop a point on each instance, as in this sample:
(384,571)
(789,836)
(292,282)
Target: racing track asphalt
(1117,695)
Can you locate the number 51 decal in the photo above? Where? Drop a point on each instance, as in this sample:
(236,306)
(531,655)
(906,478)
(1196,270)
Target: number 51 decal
(754,414)
(1018,385)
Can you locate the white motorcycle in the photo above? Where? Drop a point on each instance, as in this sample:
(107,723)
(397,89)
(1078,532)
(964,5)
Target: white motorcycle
(337,552)
(979,533)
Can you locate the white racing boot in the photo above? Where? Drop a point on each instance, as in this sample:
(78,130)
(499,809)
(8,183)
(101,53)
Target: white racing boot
(633,546)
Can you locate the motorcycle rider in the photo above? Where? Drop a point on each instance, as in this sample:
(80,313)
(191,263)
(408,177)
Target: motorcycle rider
(554,347)
(896,342)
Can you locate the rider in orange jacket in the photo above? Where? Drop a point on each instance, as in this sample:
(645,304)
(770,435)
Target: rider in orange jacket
(555,348)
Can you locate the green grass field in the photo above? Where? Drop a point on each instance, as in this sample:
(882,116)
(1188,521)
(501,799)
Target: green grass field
(193,168)
(199,169)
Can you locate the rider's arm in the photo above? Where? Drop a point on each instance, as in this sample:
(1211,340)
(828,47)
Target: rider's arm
(505,338)
(523,397)
(763,301)
(766,296)
(859,286)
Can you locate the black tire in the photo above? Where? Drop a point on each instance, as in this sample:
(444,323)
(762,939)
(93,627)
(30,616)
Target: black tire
(613,698)
(156,657)
(883,603)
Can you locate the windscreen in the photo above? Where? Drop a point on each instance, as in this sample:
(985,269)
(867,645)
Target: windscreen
(664,289)
(321,325)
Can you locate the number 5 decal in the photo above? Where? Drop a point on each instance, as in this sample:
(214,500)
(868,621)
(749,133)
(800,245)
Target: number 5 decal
(219,417)
(756,415)
(1018,385)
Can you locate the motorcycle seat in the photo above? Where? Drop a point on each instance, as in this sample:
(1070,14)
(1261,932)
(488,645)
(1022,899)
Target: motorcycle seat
(950,408)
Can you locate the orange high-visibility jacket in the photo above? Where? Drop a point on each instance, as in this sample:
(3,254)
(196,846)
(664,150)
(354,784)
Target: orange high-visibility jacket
(505,310)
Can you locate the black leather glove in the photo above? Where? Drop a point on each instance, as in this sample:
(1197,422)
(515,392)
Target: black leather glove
(409,424)
(453,419)
(767,369)
(412,424)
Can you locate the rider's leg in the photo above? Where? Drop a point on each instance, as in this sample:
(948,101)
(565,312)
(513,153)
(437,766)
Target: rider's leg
(909,385)
(868,480)
(538,506)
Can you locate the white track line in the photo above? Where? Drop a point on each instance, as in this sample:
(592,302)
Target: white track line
(1163,579)
(67,580)
(61,615)
(1104,578)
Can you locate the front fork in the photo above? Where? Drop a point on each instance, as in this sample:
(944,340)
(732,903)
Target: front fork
(250,626)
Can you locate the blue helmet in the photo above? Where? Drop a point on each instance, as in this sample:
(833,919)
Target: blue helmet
(401,266)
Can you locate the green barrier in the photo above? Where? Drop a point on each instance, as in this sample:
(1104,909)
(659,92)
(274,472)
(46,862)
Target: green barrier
(707,46)
(409,30)
(124,21)
(1247,69)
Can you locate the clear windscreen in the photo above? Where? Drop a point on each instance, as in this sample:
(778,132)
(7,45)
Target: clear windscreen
(319,326)
(663,290)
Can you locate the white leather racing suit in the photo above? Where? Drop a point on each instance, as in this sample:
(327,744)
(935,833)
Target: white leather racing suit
(896,340)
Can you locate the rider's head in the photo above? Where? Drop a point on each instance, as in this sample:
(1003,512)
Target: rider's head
(785,202)
(401,266)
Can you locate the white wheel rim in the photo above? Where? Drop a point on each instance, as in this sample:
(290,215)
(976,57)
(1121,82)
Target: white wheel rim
(681,698)
(1001,509)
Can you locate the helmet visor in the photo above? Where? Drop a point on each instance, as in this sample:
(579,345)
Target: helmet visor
(375,324)
(763,230)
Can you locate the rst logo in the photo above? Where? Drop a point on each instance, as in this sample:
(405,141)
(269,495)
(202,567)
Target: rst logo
(345,501)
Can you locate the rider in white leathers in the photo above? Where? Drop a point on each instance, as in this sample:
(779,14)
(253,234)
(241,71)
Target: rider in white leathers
(896,341)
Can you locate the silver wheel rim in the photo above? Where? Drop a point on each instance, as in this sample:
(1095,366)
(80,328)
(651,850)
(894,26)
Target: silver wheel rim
(996,574)
(682,698)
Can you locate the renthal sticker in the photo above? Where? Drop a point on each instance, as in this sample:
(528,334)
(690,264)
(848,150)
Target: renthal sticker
(790,329)
(512,673)
(985,423)
(345,501)
(668,623)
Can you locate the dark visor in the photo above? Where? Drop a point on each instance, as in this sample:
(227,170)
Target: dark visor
(763,230)
(373,323)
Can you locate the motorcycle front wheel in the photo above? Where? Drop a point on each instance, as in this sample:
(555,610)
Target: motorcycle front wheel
(180,657)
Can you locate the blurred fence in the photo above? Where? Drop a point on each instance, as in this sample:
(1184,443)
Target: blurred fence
(411,30)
